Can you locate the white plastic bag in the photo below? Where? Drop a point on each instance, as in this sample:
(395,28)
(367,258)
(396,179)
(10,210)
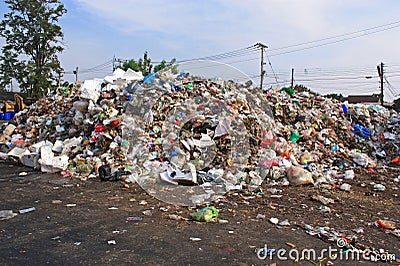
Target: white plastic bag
(299,176)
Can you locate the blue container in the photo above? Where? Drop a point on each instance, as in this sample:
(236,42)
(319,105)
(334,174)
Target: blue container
(9,115)
(1,116)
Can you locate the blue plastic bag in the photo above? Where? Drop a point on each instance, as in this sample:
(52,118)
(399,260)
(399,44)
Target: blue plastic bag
(344,108)
(361,131)
(149,79)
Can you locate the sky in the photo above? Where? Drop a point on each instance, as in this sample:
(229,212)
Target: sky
(367,33)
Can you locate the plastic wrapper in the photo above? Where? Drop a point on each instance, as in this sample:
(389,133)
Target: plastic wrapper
(207,214)
(299,176)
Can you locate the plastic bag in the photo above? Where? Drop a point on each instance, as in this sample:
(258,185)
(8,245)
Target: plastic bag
(385,224)
(361,131)
(360,158)
(223,127)
(305,157)
(294,137)
(344,108)
(349,174)
(9,130)
(290,91)
(104,172)
(299,176)
(396,160)
(106,175)
(81,106)
(207,214)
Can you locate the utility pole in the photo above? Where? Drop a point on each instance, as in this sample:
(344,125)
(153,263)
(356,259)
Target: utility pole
(380,73)
(76,74)
(291,83)
(262,47)
(114,63)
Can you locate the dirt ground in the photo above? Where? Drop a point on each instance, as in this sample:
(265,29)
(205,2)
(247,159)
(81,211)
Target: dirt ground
(92,222)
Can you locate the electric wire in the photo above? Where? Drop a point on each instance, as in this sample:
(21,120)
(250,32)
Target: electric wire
(333,42)
(334,37)
(269,61)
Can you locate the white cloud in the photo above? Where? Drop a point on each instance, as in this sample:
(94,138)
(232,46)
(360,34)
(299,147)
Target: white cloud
(194,28)
(131,16)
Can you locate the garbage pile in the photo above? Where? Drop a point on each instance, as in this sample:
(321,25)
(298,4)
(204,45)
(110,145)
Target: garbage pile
(185,136)
(73,130)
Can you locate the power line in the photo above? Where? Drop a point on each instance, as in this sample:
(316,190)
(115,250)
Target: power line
(236,53)
(337,36)
(269,61)
(336,74)
(337,41)
(334,78)
(393,91)
(251,49)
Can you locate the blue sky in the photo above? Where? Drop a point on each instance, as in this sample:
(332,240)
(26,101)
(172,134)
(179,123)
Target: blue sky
(95,31)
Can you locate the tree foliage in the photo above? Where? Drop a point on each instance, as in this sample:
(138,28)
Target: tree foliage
(142,65)
(164,65)
(145,66)
(32,44)
(335,96)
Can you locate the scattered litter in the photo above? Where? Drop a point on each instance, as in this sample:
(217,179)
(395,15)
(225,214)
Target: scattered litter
(147,212)
(7,214)
(290,244)
(261,216)
(349,174)
(274,220)
(322,199)
(379,187)
(299,176)
(134,218)
(345,187)
(359,230)
(177,217)
(206,214)
(324,208)
(385,224)
(111,242)
(27,210)
(284,223)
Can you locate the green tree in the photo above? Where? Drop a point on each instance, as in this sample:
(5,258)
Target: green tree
(144,65)
(33,41)
(335,96)
(164,65)
(6,69)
